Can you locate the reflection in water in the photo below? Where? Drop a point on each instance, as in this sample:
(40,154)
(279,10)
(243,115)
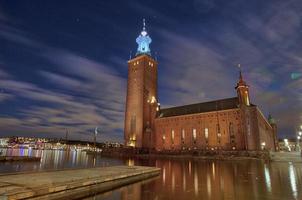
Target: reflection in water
(173,181)
(164,175)
(130,162)
(247,179)
(213,168)
(53,159)
(267,178)
(180,179)
(293,182)
(209,188)
(184,183)
(196,181)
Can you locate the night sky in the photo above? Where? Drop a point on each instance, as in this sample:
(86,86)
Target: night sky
(63,64)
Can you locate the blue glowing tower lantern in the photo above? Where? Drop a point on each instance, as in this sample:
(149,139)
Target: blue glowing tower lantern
(143,41)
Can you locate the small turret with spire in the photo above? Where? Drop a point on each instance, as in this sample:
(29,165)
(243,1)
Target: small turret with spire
(242,90)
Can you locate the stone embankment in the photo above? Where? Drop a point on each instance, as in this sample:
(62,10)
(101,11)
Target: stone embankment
(286,156)
(195,154)
(72,183)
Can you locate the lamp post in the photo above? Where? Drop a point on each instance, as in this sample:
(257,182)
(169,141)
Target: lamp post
(286,144)
(94,138)
(299,136)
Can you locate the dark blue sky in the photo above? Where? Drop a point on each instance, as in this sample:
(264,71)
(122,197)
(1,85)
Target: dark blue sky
(63,64)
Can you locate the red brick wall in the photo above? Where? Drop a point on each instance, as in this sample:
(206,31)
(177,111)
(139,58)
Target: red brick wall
(266,132)
(141,86)
(201,121)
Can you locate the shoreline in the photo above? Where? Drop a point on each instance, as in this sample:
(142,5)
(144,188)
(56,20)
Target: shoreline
(196,155)
(19,158)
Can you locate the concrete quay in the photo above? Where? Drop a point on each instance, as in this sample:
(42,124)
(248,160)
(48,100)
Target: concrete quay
(71,183)
(286,156)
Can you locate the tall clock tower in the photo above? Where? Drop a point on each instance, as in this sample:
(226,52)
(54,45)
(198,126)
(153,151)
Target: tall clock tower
(141,100)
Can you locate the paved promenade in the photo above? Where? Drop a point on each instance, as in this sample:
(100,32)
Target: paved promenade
(286,156)
(72,183)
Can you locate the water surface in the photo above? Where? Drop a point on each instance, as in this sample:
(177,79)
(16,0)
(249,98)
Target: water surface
(180,179)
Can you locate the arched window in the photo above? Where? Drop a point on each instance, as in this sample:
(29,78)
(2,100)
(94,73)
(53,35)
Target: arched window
(172,136)
(206,135)
(183,135)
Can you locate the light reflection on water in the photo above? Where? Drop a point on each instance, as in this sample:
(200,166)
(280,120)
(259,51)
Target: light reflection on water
(179,179)
(53,159)
(293,182)
(200,179)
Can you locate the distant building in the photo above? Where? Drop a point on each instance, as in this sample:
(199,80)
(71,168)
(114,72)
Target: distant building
(4,142)
(227,124)
(289,145)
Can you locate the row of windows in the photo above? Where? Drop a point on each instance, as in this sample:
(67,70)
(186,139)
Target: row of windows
(194,134)
(206,134)
(190,118)
(137,62)
(150,64)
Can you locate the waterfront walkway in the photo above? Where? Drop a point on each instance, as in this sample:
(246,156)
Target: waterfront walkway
(286,156)
(72,183)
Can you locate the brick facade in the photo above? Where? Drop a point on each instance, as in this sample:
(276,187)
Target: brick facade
(226,124)
(141,96)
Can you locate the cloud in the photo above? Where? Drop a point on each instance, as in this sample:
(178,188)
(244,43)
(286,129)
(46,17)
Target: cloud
(78,94)
(197,68)
(198,55)
(89,94)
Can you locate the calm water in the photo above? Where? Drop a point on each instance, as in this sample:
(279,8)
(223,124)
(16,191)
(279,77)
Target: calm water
(182,179)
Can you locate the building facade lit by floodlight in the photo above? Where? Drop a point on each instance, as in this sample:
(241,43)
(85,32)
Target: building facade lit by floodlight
(225,124)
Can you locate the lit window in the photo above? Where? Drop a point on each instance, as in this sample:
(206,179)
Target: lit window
(194,134)
(182,134)
(164,138)
(153,100)
(206,133)
(172,135)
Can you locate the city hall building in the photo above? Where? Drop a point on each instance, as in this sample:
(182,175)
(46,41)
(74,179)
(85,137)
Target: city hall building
(225,124)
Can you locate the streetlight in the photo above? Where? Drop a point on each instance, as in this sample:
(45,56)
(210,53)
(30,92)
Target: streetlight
(298,138)
(94,139)
(263,145)
(287,144)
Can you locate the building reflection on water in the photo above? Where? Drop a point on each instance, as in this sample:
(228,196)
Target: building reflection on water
(248,179)
(54,159)
(179,179)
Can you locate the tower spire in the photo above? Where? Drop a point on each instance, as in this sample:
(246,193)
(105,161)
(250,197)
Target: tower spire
(143,41)
(240,73)
(242,89)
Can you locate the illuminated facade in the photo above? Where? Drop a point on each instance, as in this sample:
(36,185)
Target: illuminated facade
(226,124)
(141,102)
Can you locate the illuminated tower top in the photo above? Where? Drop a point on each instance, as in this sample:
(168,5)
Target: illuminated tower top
(143,41)
(242,90)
